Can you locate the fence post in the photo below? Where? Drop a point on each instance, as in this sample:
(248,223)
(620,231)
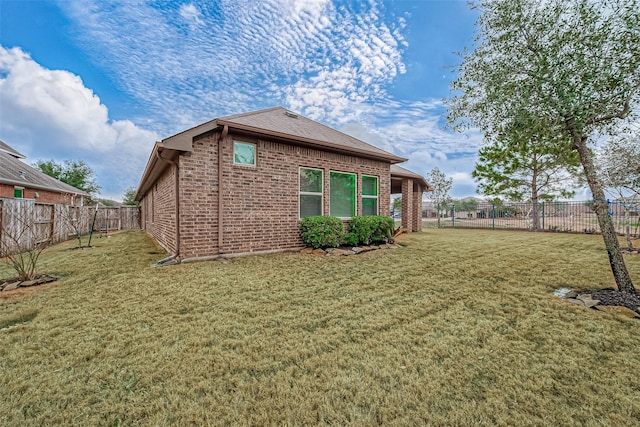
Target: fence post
(543,216)
(453,216)
(493,216)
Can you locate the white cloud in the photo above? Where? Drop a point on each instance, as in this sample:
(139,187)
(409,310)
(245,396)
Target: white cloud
(191,14)
(318,58)
(51,114)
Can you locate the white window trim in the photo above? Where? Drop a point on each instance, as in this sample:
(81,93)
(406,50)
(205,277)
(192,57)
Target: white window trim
(309,193)
(355,196)
(373,197)
(255,157)
(15,187)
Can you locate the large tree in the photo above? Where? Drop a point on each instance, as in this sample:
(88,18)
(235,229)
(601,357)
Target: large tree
(570,66)
(76,173)
(441,185)
(521,166)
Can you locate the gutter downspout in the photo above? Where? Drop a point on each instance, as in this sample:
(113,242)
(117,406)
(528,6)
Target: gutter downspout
(177,201)
(223,136)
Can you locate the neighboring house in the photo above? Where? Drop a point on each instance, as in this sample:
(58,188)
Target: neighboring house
(21,181)
(240,184)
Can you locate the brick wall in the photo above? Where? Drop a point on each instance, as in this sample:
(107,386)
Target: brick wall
(260,204)
(158,214)
(44,196)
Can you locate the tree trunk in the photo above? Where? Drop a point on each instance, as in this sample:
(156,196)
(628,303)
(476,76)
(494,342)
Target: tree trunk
(627,227)
(534,201)
(601,208)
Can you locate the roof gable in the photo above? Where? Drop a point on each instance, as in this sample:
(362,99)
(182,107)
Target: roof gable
(282,124)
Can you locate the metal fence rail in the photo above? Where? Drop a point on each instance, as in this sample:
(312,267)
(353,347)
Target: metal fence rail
(566,217)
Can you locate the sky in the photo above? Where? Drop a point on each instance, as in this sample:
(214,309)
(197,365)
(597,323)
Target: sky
(101,81)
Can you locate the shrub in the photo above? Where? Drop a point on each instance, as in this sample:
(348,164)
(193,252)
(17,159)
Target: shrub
(322,231)
(371,229)
(351,239)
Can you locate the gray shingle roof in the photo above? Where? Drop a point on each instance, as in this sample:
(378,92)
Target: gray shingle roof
(13,171)
(280,123)
(5,148)
(278,120)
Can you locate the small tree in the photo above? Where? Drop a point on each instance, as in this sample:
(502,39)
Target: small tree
(522,166)
(20,242)
(618,164)
(441,186)
(129,198)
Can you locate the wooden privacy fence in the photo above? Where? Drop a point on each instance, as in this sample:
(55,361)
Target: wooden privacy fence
(24,222)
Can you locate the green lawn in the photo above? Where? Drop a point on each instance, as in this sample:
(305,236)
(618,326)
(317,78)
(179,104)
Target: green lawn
(458,327)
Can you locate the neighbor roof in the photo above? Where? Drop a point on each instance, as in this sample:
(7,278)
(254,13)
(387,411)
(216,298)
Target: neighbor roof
(280,123)
(13,171)
(6,149)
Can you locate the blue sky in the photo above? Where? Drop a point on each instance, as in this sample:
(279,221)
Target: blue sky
(101,81)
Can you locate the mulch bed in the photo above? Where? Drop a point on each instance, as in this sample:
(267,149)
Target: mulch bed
(611,297)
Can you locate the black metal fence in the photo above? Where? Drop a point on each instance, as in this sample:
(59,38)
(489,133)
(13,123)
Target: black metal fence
(566,217)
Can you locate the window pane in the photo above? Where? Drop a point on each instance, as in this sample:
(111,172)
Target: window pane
(17,193)
(369,186)
(311,180)
(343,195)
(310,205)
(369,206)
(244,154)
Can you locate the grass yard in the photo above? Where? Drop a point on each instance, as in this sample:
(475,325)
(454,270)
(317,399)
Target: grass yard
(457,328)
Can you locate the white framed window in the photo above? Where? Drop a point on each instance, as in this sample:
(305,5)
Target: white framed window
(342,194)
(369,195)
(18,192)
(310,187)
(244,153)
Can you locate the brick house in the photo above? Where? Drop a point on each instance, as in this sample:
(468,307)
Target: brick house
(240,184)
(20,181)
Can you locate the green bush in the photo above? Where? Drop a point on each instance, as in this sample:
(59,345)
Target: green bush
(351,239)
(322,231)
(371,229)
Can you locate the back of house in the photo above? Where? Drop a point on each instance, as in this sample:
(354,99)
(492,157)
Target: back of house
(240,184)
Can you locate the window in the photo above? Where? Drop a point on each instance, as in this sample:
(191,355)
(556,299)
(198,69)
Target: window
(18,192)
(342,197)
(244,153)
(310,192)
(369,195)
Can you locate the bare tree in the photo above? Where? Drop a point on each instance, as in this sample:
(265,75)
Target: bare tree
(441,186)
(20,242)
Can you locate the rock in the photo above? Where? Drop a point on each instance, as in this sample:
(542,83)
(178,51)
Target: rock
(318,252)
(366,248)
(11,286)
(374,247)
(342,252)
(357,250)
(617,310)
(306,250)
(571,294)
(32,283)
(575,301)
(587,300)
